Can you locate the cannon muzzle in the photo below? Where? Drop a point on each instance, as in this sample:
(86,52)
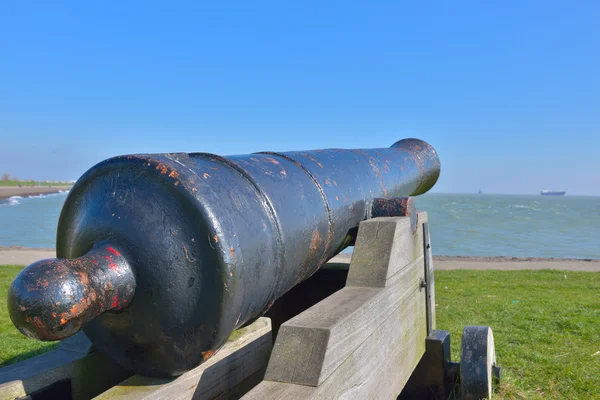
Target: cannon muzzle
(162,256)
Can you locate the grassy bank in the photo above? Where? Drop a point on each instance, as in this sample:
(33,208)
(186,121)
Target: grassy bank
(546,327)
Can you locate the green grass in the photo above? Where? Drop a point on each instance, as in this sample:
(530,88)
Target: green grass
(546,327)
(13,345)
(29,183)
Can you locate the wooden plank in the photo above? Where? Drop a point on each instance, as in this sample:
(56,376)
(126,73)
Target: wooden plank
(381,366)
(40,371)
(430,377)
(429,279)
(12,390)
(239,364)
(377,369)
(314,344)
(268,390)
(90,374)
(384,246)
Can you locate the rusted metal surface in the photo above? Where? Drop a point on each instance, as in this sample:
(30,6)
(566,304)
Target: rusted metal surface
(396,207)
(54,298)
(212,241)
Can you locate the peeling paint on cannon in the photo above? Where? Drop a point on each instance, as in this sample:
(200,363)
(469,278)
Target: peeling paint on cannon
(203,244)
(55,298)
(395,207)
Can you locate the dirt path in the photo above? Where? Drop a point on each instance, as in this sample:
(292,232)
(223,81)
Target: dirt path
(502,263)
(24,256)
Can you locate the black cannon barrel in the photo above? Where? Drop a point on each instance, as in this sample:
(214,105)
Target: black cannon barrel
(162,256)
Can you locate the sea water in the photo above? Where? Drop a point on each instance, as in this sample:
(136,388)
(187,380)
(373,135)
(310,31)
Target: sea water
(472,225)
(508,225)
(30,221)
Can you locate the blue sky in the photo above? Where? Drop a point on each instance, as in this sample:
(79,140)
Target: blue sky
(508,93)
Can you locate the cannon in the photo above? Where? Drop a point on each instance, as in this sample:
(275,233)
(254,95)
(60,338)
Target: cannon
(162,256)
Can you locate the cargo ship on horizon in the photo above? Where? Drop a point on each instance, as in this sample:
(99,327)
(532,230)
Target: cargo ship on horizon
(552,193)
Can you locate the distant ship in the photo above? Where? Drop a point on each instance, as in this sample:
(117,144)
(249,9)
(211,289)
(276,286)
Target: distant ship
(480,191)
(552,193)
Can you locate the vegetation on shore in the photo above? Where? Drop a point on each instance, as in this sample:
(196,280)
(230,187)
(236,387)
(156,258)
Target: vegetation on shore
(545,323)
(32,183)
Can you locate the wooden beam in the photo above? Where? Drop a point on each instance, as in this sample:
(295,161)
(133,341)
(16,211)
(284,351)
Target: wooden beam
(235,369)
(365,340)
(89,374)
(429,279)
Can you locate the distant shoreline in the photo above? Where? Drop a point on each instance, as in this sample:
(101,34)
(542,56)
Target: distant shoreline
(10,191)
(18,255)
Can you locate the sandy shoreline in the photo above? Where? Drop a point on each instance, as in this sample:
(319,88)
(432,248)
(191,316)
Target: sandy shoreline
(16,255)
(24,256)
(10,191)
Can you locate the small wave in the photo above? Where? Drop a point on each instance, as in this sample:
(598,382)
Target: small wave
(43,195)
(520,206)
(15,200)
(11,201)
